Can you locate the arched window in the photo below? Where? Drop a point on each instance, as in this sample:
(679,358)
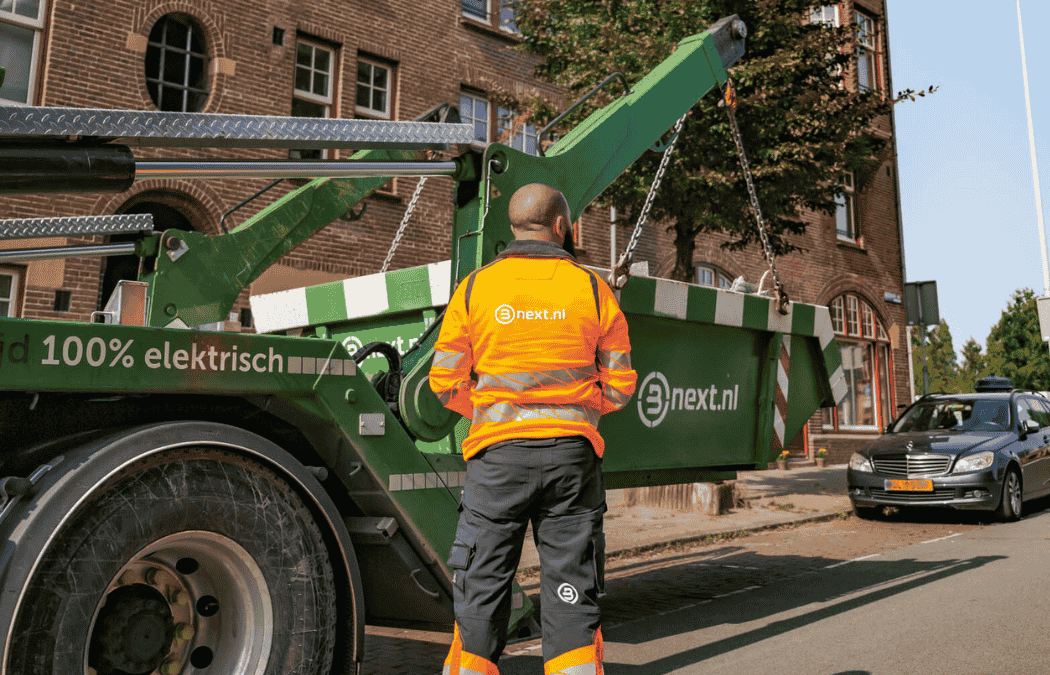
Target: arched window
(709,275)
(177,64)
(865,351)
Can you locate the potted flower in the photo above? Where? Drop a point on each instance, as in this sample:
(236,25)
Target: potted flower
(822,457)
(782,461)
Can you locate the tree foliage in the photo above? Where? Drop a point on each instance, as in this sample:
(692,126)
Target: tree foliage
(1015,348)
(801,127)
(940,359)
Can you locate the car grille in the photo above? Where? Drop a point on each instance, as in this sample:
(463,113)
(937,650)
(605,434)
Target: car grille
(938,495)
(910,465)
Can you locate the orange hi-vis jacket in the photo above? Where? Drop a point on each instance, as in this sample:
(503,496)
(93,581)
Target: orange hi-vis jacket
(547,341)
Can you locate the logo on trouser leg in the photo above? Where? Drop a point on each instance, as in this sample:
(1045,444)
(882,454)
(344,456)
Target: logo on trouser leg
(568,593)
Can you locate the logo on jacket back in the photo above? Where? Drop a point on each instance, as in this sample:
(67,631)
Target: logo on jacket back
(506,314)
(656,397)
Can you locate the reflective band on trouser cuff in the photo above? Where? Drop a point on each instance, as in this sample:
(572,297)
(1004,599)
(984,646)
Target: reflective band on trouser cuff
(541,378)
(616,397)
(446,359)
(459,662)
(513,412)
(583,661)
(615,360)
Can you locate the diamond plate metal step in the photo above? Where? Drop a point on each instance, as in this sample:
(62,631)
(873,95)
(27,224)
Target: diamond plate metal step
(32,228)
(154,128)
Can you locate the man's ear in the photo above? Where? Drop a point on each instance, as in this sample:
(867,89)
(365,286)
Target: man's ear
(559,228)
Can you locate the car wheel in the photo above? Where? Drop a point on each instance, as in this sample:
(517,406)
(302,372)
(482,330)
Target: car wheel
(868,512)
(1010,501)
(190,560)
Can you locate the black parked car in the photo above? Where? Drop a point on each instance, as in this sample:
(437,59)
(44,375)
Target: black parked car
(988,450)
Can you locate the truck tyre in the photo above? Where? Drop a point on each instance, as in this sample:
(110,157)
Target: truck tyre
(191,559)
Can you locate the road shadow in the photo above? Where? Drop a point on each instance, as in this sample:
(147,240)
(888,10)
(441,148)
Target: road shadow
(835,591)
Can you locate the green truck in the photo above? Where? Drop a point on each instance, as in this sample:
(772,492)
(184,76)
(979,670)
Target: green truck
(177,499)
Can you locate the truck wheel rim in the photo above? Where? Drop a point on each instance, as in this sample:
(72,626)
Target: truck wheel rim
(193,599)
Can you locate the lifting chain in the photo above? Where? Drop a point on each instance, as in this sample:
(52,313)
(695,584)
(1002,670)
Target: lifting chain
(618,277)
(404,221)
(729,102)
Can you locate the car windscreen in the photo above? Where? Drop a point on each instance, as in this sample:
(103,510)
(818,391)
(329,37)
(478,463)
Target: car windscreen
(960,414)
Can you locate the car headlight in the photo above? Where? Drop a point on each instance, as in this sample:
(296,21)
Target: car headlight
(982,460)
(859,462)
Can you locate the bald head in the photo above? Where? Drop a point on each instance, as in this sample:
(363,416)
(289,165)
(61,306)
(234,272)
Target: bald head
(538,211)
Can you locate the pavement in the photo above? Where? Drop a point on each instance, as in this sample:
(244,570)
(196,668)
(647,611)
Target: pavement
(763,499)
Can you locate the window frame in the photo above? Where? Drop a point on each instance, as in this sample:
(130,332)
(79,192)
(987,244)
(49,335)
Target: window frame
(390,88)
(37,27)
(851,333)
(474,96)
(507,120)
(14,300)
(329,102)
(868,50)
(848,203)
(185,88)
(822,17)
(719,278)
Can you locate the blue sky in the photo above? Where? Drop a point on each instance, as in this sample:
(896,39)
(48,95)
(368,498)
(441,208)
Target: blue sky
(965,170)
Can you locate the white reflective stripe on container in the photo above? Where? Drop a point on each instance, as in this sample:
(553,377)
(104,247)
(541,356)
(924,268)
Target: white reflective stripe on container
(534,380)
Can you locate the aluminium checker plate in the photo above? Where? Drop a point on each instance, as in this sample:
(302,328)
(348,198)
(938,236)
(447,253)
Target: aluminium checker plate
(31,228)
(155,128)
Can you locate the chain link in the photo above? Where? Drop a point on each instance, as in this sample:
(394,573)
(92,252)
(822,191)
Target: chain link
(404,224)
(621,273)
(730,106)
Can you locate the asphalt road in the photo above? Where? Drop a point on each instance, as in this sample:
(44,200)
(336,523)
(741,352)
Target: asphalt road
(916,593)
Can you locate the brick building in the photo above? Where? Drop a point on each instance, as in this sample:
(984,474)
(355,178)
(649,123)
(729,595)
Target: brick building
(392,61)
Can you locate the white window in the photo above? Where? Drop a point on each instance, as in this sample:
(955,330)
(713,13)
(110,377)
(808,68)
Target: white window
(484,10)
(476,9)
(373,88)
(514,133)
(866,368)
(845,214)
(709,275)
(312,95)
(507,16)
(474,110)
(9,279)
(867,63)
(21,23)
(829,14)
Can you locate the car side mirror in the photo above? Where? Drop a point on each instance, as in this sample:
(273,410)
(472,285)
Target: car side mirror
(1030,427)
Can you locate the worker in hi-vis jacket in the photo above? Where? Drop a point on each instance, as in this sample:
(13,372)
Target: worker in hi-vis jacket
(548,344)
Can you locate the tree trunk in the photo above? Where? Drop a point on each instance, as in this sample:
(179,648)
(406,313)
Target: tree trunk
(685,246)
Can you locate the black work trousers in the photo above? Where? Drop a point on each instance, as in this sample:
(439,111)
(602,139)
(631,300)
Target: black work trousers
(557,485)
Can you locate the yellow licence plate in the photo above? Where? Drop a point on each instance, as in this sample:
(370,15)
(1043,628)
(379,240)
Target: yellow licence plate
(910,485)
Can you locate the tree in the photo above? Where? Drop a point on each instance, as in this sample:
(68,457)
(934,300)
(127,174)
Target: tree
(1015,348)
(802,128)
(974,366)
(940,359)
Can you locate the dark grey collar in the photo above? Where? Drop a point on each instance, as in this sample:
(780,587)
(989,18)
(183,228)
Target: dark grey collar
(530,248)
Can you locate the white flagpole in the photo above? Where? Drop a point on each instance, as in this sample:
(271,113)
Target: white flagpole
(1035,167)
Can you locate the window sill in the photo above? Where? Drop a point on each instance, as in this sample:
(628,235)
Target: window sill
(482,27)
(857,245)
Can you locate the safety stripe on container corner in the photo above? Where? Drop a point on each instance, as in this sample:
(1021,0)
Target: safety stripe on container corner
(400,482)
(780,397)
(412,288)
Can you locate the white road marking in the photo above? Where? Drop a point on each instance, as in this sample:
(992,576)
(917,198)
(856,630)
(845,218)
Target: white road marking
(930,541)
(846,562)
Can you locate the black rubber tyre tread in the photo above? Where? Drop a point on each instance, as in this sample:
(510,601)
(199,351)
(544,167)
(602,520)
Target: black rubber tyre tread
(1005,510)
(162,494)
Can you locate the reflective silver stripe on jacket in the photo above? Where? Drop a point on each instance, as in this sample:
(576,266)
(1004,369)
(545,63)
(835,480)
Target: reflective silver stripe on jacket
(615,360)
(518,412)
(616,397)
(444,397)
(447,359)
(541,378)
